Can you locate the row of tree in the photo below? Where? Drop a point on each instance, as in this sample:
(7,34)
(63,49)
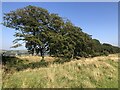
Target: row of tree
(44,32)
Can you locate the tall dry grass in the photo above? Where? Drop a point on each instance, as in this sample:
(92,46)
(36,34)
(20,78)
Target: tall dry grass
(97,72)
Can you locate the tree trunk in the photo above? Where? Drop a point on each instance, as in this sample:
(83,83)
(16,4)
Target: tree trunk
(34,52)
(42,54)
(50,52)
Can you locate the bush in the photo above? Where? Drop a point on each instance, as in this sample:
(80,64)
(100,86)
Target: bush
(12,64)
(105,53)
(43,63)
(83,54)
(95,54)
(61,60)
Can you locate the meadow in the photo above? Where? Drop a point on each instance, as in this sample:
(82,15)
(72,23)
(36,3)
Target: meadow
(30,72)
(76,59)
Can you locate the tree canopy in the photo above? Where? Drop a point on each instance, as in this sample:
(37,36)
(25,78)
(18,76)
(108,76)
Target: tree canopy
(44,32)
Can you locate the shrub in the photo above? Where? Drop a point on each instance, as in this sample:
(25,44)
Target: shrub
(106,53)
(95,54)
(43,63)
(62,60)
(83,54)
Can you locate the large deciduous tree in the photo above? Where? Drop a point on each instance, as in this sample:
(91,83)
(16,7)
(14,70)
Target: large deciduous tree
(48,32)
(30,24)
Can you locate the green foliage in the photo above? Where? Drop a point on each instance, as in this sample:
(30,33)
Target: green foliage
(13,64)
(48,32)
(96,54)
(61,60)
(105,53)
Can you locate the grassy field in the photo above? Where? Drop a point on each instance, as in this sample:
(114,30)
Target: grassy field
(97,72)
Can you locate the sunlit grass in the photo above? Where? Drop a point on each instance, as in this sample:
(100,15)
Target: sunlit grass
(100,72)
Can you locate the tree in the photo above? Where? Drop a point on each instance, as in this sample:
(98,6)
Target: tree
(30,24)
(43,32)
(97,47)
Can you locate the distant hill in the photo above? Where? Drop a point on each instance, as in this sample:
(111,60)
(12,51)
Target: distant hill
(1,51)
(13,52)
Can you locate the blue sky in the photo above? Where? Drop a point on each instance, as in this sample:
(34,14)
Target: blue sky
(97,19)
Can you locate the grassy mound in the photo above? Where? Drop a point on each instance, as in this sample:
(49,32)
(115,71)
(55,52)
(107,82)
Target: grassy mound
(97,72)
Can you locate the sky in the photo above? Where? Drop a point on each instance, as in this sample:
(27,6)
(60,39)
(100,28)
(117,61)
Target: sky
(99,19)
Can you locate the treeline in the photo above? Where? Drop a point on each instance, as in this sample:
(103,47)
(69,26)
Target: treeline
(44,32)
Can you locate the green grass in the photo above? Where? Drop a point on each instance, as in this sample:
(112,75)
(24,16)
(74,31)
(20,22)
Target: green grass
(74,74)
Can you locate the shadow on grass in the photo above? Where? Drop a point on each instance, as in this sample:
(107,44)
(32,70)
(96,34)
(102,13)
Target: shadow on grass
(33,65)
(12,64)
